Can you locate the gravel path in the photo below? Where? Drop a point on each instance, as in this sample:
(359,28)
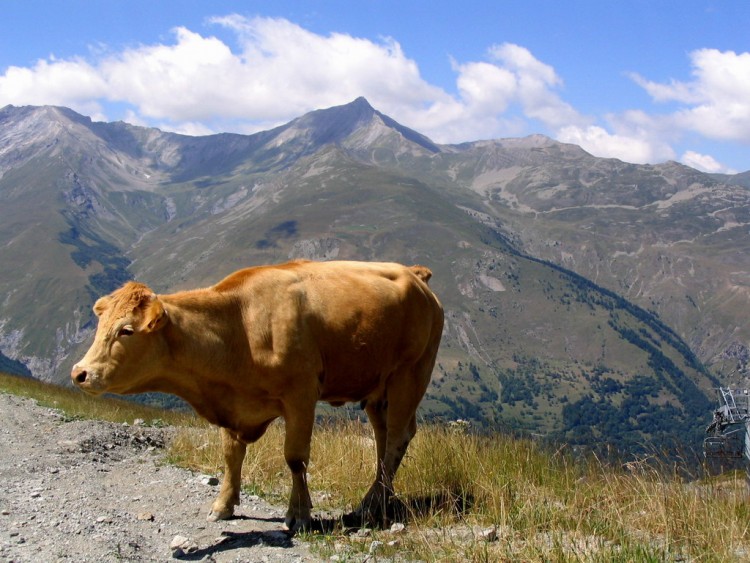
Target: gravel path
(96,491)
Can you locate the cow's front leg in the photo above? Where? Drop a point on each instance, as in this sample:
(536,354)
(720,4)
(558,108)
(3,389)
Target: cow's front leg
(299,425)
(229,495)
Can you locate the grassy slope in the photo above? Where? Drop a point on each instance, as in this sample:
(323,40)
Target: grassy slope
(544,505)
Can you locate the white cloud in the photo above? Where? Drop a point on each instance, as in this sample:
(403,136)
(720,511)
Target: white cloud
(674,91)
(281,59)
(485,87)
(275,70)
(191,80)
(704,162)
(279,70)
(498,98)
(73,83)
(632,136)
(536,84)
(599,142)
(717,101)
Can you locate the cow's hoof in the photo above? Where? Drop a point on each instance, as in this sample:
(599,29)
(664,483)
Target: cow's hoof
(295,524)
(369,519)
(216,515)
(371,512)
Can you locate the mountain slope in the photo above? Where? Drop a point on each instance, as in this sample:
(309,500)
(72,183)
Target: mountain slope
(669,238)
(529,342)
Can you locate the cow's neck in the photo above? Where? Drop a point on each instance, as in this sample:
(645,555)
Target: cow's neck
(205,348)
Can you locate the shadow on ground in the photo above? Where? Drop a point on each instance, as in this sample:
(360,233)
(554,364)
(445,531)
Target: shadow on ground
(401,510)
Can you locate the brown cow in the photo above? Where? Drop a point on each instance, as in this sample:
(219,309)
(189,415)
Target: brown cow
(271,342)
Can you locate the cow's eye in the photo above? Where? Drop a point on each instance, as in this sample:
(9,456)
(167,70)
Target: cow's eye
(125,331)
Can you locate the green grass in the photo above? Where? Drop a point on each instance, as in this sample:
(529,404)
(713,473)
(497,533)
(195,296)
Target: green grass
(544,505)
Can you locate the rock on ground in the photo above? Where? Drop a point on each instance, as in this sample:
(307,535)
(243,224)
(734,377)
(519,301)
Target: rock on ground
(96,491)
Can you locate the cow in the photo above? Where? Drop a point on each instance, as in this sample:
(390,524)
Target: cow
(269,342)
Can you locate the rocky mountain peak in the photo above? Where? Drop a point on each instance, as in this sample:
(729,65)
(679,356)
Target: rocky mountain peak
(24,131)
(35,119)
(325,126)
(339,124)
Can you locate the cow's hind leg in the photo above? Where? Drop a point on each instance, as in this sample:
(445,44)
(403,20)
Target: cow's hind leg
(299,427)
(229,495)
(372,506)
(404,391)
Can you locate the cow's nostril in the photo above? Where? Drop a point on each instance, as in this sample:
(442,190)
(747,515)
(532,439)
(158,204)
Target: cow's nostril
(80,377)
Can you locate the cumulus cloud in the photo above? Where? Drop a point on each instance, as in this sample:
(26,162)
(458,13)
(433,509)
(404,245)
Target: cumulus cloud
(280,58)
(279,70)
(535,86)
(497,97)
(599,142)
(632,136)
(73,83)
(274,70)
(704,162)
(191,80)
(716,103)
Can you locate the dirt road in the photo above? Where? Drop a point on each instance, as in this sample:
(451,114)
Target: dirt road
(95,491)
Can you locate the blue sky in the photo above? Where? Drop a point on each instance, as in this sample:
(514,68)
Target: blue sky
(643,81)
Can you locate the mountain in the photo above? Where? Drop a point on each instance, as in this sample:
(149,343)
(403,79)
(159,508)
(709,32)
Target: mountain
(666,237)
(582,295)
(742,179)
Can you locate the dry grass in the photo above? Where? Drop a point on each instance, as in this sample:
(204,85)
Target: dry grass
(544,506)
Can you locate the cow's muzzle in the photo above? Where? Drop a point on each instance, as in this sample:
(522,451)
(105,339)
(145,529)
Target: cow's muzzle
(87,379)
(79,375)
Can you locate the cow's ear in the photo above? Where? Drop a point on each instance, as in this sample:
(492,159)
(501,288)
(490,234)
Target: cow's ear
(154,315)
(101,305)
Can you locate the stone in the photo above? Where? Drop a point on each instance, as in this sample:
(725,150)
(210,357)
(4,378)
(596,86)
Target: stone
(375,546)
(146,517)
(397,528)
(178,541)
(182,545)
(363,533)
(489,534)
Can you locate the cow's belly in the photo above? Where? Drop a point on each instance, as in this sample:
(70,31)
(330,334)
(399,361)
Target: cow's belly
(352,383)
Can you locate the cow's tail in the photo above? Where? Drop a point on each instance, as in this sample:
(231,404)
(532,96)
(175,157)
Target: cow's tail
(422,272)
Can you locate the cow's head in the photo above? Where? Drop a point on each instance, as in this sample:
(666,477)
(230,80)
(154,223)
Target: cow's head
(128,344)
